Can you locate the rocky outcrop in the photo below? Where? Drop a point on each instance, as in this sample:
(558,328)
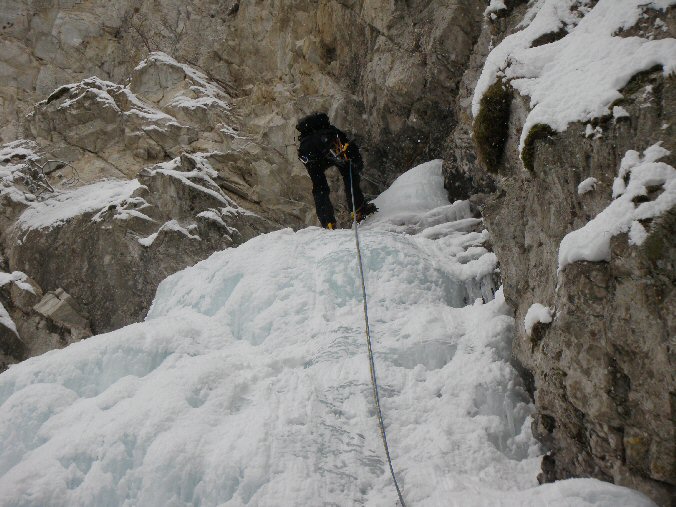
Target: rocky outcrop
(121,186)
(387,71)
(33,322)
(174,215)
(602,369)
(204,138)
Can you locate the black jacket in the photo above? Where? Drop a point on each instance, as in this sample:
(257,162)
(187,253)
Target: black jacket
(316,149)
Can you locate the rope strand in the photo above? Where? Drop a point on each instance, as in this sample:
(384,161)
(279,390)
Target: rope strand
(374,383)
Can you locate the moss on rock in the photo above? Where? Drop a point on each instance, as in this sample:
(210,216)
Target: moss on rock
(660,240)
(538,132)
(491,126)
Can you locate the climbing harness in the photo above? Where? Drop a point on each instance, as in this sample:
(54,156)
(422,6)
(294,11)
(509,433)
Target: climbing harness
(339,151)
(374,383)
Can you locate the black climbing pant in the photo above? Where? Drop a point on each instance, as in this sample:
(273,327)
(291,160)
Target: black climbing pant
(321,190)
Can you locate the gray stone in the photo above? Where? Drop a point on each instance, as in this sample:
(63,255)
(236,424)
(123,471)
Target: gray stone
(11,344)
(609,337)
(603,371)
(61,309)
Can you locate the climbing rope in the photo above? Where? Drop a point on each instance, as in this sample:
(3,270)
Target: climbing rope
(374,383)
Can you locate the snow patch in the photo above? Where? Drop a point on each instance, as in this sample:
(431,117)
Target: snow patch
(144,110)
(22,149)
(97,197)
(171,225)
(590,131)
(200,178)
(217,216)
(18,278)
(587,186)
(13,158)
(592,241)
(208,94)
(537,313)
(495,6)
(6,320)
(620,112)
(93,86)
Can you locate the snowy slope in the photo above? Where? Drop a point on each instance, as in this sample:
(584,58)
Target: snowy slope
(248,383)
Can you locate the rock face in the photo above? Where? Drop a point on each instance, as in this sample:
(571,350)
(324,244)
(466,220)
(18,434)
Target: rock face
(604,367)
(32,322)
(602,372)
(205,137)
(387,71)
(121,186)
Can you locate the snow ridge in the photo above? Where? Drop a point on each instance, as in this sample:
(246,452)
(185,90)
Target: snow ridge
(96,197)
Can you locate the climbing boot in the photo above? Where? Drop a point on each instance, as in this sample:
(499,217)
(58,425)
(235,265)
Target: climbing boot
(364,211)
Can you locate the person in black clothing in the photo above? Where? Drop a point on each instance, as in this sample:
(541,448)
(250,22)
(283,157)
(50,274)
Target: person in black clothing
(321,146)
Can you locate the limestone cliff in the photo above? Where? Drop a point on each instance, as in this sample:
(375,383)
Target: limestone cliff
(385,70)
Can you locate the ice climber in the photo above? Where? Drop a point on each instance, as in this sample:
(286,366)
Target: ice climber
(321,146)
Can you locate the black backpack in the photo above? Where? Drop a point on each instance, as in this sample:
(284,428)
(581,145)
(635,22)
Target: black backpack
(318,145)
(312,123)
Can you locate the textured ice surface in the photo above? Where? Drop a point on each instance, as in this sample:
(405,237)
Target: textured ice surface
(248,384)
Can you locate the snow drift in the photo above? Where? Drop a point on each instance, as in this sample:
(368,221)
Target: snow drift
(248,384)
